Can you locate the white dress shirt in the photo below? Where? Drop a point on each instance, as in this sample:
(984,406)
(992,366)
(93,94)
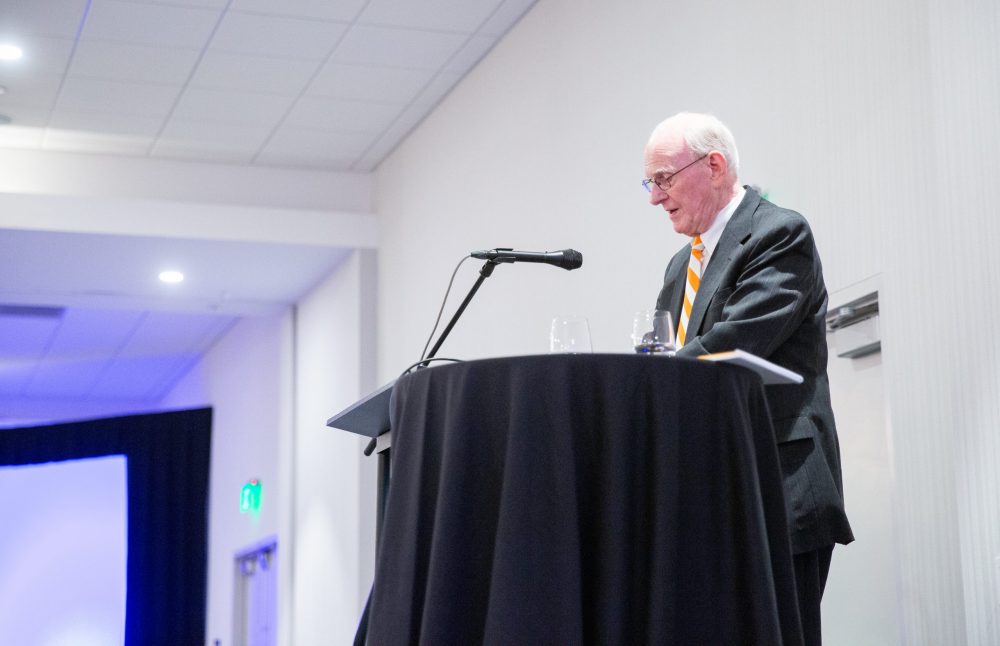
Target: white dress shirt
(711,237)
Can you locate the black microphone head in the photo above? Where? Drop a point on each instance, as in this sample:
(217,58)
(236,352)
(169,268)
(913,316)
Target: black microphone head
(571,259)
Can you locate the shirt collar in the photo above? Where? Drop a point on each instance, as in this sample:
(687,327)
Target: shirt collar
(711,237)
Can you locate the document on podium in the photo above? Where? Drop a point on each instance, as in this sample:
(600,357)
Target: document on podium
(771,373)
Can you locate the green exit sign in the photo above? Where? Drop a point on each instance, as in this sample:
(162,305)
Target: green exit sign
(250,497)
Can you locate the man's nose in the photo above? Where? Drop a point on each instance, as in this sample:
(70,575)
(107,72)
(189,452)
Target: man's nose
(656,194)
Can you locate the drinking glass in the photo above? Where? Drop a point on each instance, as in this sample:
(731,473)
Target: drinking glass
(653,332)
(570,334)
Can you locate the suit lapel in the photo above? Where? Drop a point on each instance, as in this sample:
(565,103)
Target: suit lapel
(676,278)
(733,236)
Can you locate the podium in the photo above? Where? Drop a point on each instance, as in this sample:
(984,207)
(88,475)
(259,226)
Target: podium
(583,499)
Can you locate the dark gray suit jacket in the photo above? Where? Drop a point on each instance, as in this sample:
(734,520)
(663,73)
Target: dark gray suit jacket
(763,292)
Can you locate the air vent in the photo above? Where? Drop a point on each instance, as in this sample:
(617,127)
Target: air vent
(32,311)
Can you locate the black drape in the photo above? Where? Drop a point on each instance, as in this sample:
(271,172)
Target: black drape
(167,457)
(583,499)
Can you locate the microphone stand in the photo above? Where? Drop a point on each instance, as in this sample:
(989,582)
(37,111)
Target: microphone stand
(385,461)
(484,273)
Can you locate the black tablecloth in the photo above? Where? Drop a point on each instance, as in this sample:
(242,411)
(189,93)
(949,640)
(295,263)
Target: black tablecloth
(583,499)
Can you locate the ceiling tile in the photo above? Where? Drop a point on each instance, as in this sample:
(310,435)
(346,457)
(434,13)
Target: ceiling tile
(14,376)
(139,377)
(37,91)
(224,71)
(150,24)
(159,350)
(100,133)
(138,99)
(202,152)
(391,138)
(136,63)
(207,4)
(389,47)
(303,160)
(163,347)
(231,106)
(25,116)
(100,122)
(171,375)
(343,10)
(26,337)
(174,332)
(41,56)
(23,341)
(238,63)
(437,89)
(227,135)
(343,114)
(339,144)
(307,147)
(246,33)
(80,350)
(473,50)
(64,379)
(509,13)
(448,15)
(185,139)
(364,83)
(87,333)
(42,17)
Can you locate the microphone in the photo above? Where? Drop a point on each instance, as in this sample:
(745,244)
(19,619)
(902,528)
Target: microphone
(567,258)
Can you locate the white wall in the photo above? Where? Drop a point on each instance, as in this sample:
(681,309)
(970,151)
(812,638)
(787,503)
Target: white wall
(332,558)
(246,379)
(876,120)
(273,383)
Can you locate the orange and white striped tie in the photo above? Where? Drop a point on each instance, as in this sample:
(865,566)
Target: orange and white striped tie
(691,289)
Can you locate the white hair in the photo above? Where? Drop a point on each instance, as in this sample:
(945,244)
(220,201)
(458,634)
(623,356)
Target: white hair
(704,133)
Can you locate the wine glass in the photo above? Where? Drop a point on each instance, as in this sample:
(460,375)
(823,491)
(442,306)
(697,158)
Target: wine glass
(653,332)
(570,334)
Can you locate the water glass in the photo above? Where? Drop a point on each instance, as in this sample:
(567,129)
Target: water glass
(653,332)
(570,334)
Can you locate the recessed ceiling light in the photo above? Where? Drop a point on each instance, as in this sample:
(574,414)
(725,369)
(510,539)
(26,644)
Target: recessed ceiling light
(10,52)
(171,276)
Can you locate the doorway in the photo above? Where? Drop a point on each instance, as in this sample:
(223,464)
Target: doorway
(255,598)
(860,605)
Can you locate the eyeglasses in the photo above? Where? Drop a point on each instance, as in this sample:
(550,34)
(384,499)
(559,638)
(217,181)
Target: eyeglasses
(666,182)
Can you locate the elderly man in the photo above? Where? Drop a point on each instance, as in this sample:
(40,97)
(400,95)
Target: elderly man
(751,279)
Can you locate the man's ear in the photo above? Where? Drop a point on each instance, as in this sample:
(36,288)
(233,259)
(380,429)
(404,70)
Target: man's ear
(717,162)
